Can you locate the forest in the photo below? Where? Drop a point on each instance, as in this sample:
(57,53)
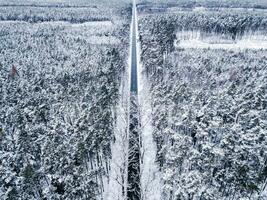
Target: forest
(104,100)
(60,74)
(255,4)
(208,106)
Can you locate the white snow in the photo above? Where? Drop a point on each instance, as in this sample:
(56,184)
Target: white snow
(191,39)
(241,44)
(116,188)
(105,24)
(119,149)
(264,192)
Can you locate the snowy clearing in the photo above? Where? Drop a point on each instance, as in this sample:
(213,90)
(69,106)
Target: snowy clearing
(195,40)
(241,44)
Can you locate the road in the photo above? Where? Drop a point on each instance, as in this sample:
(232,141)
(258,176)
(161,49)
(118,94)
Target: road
(134,87)
(133,186)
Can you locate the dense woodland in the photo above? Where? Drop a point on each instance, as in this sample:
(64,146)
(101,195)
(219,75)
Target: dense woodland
(58,93)
(209,107)
(257,4)
(70,14)
(232,23)
(62,65)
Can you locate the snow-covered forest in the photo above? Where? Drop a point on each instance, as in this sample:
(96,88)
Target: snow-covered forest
(261,4)
(209,105)
(61,69)
(133,100)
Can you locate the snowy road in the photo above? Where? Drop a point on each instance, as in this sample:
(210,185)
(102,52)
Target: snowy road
(143,174)
(134,87)
(133,187)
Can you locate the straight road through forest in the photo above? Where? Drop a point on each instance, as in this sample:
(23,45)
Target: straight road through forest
(134,87)
(133,187)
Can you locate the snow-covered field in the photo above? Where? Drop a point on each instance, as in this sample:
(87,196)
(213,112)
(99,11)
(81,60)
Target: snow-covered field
(189,39)
(239,44)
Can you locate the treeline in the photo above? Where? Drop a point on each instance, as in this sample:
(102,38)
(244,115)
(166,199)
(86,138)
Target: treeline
(257,4)
(209,110)
(58,93)
(233,23)
(70,14)
(66,3)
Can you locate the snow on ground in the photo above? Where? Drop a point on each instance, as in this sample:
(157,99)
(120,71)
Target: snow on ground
(118,167)
(241,44)
(189,39)
(264,192)
(106,40)
(150,175)
(116,186)
(106,24)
